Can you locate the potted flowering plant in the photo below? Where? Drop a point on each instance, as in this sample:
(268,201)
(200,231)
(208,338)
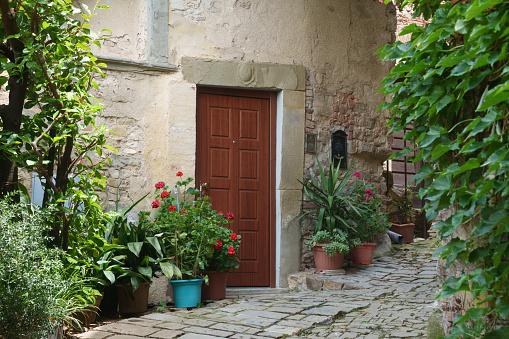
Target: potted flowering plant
(369,224)
(224,257)
(189,229)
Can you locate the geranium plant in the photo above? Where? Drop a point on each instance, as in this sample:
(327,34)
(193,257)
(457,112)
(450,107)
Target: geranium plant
(374,221)
(226,247)
(190,229)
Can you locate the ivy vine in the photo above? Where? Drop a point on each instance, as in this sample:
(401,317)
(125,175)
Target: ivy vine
(451,82)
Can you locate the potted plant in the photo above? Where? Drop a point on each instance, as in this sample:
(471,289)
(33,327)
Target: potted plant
(369,224)
(328,249)
(142,255)
(95,259)
(224,257)
(187,228)
(336,206)
(403,216)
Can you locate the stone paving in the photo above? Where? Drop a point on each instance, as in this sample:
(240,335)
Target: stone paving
(389,299)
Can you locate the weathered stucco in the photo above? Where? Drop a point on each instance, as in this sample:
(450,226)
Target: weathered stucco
(318,56)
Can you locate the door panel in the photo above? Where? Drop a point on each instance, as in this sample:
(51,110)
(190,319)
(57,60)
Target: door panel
(234,144)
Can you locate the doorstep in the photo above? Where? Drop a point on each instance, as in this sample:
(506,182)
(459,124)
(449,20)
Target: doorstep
(238,292)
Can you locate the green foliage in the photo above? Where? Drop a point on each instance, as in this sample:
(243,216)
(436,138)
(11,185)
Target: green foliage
(140,252)
(59,140)
(404,206)
(35,292)
(452,84)
(336,207)
(336,242)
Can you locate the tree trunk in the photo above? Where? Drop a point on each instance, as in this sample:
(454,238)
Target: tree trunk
(11,118)
(11,114)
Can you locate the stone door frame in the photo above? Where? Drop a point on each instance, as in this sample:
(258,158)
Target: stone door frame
(289,82)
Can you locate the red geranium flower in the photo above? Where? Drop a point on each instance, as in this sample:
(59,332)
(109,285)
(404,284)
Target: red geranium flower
(233,236)
(218,245)
(172,208)
(229,216)
(155,204)
(165,194)
(183,211)
(220,212)
(231,251)
(179,174)
(160,184)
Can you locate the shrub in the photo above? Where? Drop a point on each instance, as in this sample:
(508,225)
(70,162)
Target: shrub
(35,294)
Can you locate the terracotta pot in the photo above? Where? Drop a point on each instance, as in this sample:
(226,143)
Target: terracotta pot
(363,254)
(216,289)
(88,315)
(406,230)
(132,302)
(325,263)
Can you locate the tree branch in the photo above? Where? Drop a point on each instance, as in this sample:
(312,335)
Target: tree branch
(11,27)
(7,51)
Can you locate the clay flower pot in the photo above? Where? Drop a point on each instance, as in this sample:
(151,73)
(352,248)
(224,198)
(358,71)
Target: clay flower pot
(406,230)
(325,263)
(88,315)
(363,254)
(133,302)
(216,289)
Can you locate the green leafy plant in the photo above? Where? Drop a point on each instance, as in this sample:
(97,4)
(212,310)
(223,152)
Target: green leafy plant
(335,206)
(140,250)
(36,292)
(335,242)
(405,206)
(451,83)
(375,220)
(225,242)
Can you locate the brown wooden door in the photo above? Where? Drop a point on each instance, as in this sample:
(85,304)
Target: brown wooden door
(234,149)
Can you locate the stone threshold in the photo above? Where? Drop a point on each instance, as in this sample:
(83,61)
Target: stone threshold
(239,292)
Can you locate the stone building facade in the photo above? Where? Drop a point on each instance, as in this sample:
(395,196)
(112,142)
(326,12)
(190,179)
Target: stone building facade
(315,58)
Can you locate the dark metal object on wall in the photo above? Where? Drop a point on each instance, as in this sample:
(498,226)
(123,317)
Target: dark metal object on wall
(310,143)
(338,148)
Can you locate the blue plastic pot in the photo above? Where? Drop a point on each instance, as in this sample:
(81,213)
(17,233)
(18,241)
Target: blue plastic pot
(186,293)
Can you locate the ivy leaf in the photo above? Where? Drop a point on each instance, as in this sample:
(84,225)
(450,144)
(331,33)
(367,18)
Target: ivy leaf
(499,253)
(478,7)
(502,332)
(461,26)
(487,225)
(494,96)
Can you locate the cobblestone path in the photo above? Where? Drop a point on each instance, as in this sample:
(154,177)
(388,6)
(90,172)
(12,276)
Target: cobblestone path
(395,302)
